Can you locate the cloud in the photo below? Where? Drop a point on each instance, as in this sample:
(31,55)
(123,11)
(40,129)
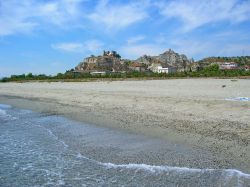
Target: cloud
(194,13)
(215,45)
(60,12)
(68,47)
(136,50)
(135,39)
(117,16)
(14,16)
(26,15)
(92,46)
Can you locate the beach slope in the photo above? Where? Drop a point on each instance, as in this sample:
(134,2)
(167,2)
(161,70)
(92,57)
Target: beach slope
(200,113)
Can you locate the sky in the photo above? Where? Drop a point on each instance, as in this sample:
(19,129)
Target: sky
(52,36)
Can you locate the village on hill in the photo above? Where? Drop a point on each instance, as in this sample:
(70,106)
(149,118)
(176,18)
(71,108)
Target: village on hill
(167,62)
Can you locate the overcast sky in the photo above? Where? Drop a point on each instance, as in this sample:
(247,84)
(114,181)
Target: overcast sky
(49,36)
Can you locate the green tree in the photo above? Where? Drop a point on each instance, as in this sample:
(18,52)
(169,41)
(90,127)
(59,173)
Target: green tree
(29,75)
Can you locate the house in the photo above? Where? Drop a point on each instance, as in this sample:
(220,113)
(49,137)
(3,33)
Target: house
(98,73)
(137,67)
(228,65)
(162,69)
(159,68)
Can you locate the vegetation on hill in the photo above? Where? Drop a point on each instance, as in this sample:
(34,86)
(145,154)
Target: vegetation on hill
(241,60)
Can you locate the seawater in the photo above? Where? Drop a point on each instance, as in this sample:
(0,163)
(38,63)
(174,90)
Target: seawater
(49,150)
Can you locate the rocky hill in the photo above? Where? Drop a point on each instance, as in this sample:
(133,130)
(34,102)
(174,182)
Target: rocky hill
(168,58)
(241,60)
(148,60)
(111,61)
(174,59)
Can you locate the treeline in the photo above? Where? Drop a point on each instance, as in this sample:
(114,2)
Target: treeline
(241,60)
(210,71)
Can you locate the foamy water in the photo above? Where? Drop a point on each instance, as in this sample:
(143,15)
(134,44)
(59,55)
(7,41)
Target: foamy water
(238,99)
(38,150)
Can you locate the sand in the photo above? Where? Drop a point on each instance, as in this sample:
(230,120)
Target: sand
(191,112)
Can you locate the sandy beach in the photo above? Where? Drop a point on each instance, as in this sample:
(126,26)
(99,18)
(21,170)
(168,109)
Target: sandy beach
(191,112)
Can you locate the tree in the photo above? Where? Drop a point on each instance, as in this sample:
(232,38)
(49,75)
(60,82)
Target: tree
(213,67)
(29,75)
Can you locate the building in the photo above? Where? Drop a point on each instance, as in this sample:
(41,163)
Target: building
(137,67)
(98,73)
(166,69)
(228,65)
(159,68)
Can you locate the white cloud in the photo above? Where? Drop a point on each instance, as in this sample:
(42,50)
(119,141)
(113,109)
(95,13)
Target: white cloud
(68,47)
(135,39)
(60,12)
(92,46)
(136,50)
(26,15)
(14,16)
(115,16)
(213,46)
(194,13)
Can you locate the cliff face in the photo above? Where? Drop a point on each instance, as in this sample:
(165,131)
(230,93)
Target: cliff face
(148,60)
(174,59)
(110,61)
(168,58)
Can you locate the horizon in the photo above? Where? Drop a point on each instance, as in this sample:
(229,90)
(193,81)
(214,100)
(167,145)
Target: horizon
(48,37)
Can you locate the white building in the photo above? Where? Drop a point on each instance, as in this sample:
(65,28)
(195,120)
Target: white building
(158,68)
(228,65)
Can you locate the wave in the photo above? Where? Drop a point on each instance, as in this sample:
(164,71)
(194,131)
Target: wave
(4,106)
(153,169)
(5,116)
(238,99)
(3,112)
(164,168)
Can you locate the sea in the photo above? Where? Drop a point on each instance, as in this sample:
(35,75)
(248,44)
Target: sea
(41,149)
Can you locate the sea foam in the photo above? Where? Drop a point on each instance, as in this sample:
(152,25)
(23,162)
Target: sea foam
(3,106)
(3,112)
(153,169)
(238,99)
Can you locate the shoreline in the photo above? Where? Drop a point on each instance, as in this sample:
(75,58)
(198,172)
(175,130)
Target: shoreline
(123,79)
(78,149)
(187,119)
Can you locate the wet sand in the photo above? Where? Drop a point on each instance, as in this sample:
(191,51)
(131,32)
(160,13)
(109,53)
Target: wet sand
(189,112)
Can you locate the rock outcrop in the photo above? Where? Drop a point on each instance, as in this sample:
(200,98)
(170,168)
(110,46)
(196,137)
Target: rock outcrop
(109,61)
(147,60)
(168,58)
(174,59)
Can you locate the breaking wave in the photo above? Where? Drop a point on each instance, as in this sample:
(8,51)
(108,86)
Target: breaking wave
(153,169)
